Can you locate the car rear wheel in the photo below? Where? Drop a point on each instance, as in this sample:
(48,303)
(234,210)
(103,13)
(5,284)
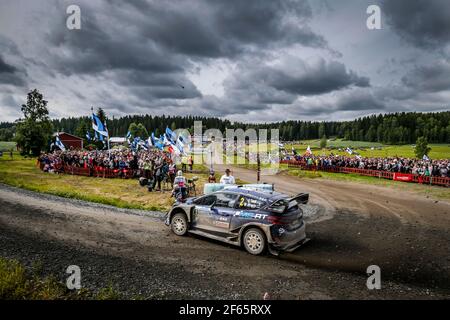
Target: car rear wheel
(179,224)
(254,241)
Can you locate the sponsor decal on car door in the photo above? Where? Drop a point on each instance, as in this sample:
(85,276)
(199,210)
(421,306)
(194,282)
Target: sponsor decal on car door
(222,212)
(202,213)
(220,219)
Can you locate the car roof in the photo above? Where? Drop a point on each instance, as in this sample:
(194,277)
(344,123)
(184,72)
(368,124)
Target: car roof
(268,195)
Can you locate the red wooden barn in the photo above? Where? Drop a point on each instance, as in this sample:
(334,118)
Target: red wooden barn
(70,141)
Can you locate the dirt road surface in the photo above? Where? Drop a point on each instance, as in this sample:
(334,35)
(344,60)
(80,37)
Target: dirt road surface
(351,226)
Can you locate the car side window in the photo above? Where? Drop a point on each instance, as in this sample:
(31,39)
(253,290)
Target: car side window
(206,200)
(225,200)
(249,203)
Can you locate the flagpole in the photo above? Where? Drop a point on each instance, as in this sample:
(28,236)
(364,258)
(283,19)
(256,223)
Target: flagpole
(107,139)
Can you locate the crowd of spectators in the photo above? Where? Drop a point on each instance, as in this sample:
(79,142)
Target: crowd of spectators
(437,168)
(155,165)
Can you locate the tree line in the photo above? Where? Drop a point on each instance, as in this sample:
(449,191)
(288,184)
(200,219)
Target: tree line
(394,128)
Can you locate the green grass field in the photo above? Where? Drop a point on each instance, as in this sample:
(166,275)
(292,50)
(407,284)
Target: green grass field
(438,151)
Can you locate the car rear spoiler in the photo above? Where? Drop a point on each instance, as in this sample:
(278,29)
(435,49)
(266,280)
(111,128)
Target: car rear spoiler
(301,198)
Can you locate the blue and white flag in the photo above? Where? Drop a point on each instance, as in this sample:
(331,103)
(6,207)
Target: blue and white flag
(99,127)
(171,136)
(143,144)
(149,142)
(59,144)
(128,137)
(181,143)
(164,140)
(157,142)
(88,136)
(425,158)
(348,150)
(180,146)
(135,144)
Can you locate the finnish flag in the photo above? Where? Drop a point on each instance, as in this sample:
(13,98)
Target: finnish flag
(59,144)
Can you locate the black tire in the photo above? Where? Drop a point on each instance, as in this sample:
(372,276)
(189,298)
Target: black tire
(179,224)
(254,241)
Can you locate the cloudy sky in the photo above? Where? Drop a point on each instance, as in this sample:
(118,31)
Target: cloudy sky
(262,60)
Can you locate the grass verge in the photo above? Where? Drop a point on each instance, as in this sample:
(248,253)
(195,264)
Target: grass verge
(16,283)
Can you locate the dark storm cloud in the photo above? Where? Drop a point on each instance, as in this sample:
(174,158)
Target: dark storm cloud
(261,88)
(108,49)
(245,89)
(429,78)
(319,78)
(99,46)
(9,74)
(147,47)
(424,23)
(213,28)
(293,77)
(155,35)
(161,36)
(357,101)
(147,85)
(351,100)
(219,58)
(6,68)
(163,92)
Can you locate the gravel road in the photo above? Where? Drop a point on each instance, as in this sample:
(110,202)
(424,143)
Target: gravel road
(352,226)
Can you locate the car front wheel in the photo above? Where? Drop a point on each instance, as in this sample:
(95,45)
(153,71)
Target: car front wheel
(179,224)
(254,241)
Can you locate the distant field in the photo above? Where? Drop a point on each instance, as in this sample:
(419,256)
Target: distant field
(339,143)
(438,151)
(6,146)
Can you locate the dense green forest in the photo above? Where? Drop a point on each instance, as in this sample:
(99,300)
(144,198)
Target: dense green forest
(394,128)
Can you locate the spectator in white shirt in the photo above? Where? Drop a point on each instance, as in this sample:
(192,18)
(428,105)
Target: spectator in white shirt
(227,178)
